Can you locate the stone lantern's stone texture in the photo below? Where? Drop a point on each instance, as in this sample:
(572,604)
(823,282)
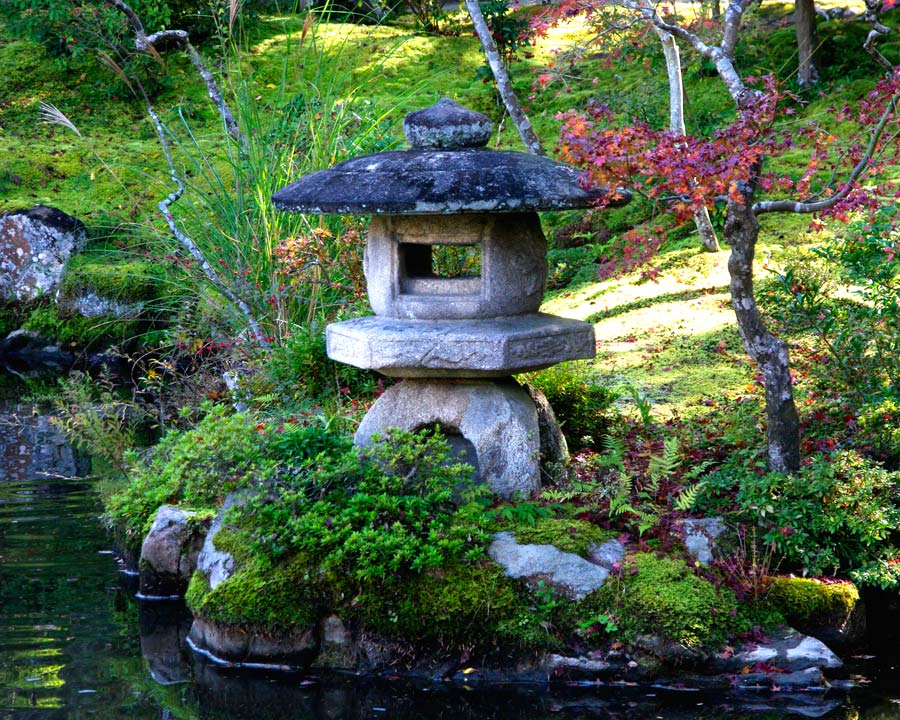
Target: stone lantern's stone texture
(457,333)
(512,254)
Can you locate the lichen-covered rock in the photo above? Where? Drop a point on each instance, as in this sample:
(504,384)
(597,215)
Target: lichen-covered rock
(35,245)
(570,574)
(169,552)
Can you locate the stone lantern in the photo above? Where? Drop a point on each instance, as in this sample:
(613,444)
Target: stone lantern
(456,338)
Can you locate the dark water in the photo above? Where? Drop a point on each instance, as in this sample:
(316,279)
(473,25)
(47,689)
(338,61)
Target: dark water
(74,643)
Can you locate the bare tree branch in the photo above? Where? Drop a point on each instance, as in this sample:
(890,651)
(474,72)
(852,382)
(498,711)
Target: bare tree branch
(147,43)
(878,29)
(504,86)
(181,40)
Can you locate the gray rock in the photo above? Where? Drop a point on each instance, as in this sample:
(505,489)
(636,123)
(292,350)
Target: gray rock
(786,649)
(35,246)
(337,648)
(237,646)
(608,555)
(459,348)
(700,536)
(170,551)
(494,424)
(92,305)
(578,666)
(217,565)
(554,449)
(570,574)
(809,679)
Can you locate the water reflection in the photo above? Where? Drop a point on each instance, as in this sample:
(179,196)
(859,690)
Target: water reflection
(74,643)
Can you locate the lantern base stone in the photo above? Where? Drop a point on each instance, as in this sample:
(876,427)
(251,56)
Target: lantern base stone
(493,426)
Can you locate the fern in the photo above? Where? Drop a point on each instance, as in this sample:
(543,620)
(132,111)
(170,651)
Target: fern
(689,496)
(663,466)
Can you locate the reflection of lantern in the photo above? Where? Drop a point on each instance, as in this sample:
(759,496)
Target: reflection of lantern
(458,334)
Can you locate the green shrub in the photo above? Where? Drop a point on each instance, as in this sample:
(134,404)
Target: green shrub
(198,467)
(834,514)
(879,425)
(298,367)
(374,513)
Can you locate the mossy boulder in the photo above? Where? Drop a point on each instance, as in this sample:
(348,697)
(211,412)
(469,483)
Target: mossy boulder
(829,611)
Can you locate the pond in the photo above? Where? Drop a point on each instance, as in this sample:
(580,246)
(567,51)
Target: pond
(75,643)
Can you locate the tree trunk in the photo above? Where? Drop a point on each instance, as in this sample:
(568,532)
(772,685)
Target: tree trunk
(677,125)
(504,86)
(770,353)
(807,41)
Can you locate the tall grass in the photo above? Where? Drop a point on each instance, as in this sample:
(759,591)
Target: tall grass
(289,269)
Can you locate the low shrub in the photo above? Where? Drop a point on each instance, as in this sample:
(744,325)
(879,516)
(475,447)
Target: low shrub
(833,515)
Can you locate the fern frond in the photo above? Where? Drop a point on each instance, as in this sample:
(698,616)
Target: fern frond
(663,466)
(688,497)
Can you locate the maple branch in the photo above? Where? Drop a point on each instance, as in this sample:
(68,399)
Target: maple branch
(801,206)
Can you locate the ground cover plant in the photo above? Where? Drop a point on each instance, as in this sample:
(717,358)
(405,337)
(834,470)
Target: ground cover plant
(665,424)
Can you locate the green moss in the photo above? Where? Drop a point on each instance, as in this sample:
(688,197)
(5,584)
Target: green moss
(109,276)
(461,606)
(81,332)
(574,536)
(272,597)
(804,601)
(663,597)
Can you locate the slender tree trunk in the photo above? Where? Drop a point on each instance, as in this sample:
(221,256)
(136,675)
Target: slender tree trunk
(677,125)
(807,41)
(770,353)
(504,86)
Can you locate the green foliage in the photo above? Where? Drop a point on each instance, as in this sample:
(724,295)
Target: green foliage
(804,601)
(298,368)
(198,467)
(96,418)
(861,337)
(883,572)
(583,407)
(636,502)
(834,514)
(879,425)
(375,513)
(524,513)
(663,597)
(509,29)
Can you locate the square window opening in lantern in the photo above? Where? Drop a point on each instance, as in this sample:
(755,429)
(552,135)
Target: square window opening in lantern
(427,269)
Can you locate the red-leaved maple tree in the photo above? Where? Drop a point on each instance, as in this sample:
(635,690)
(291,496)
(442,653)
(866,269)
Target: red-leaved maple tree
(687,173)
